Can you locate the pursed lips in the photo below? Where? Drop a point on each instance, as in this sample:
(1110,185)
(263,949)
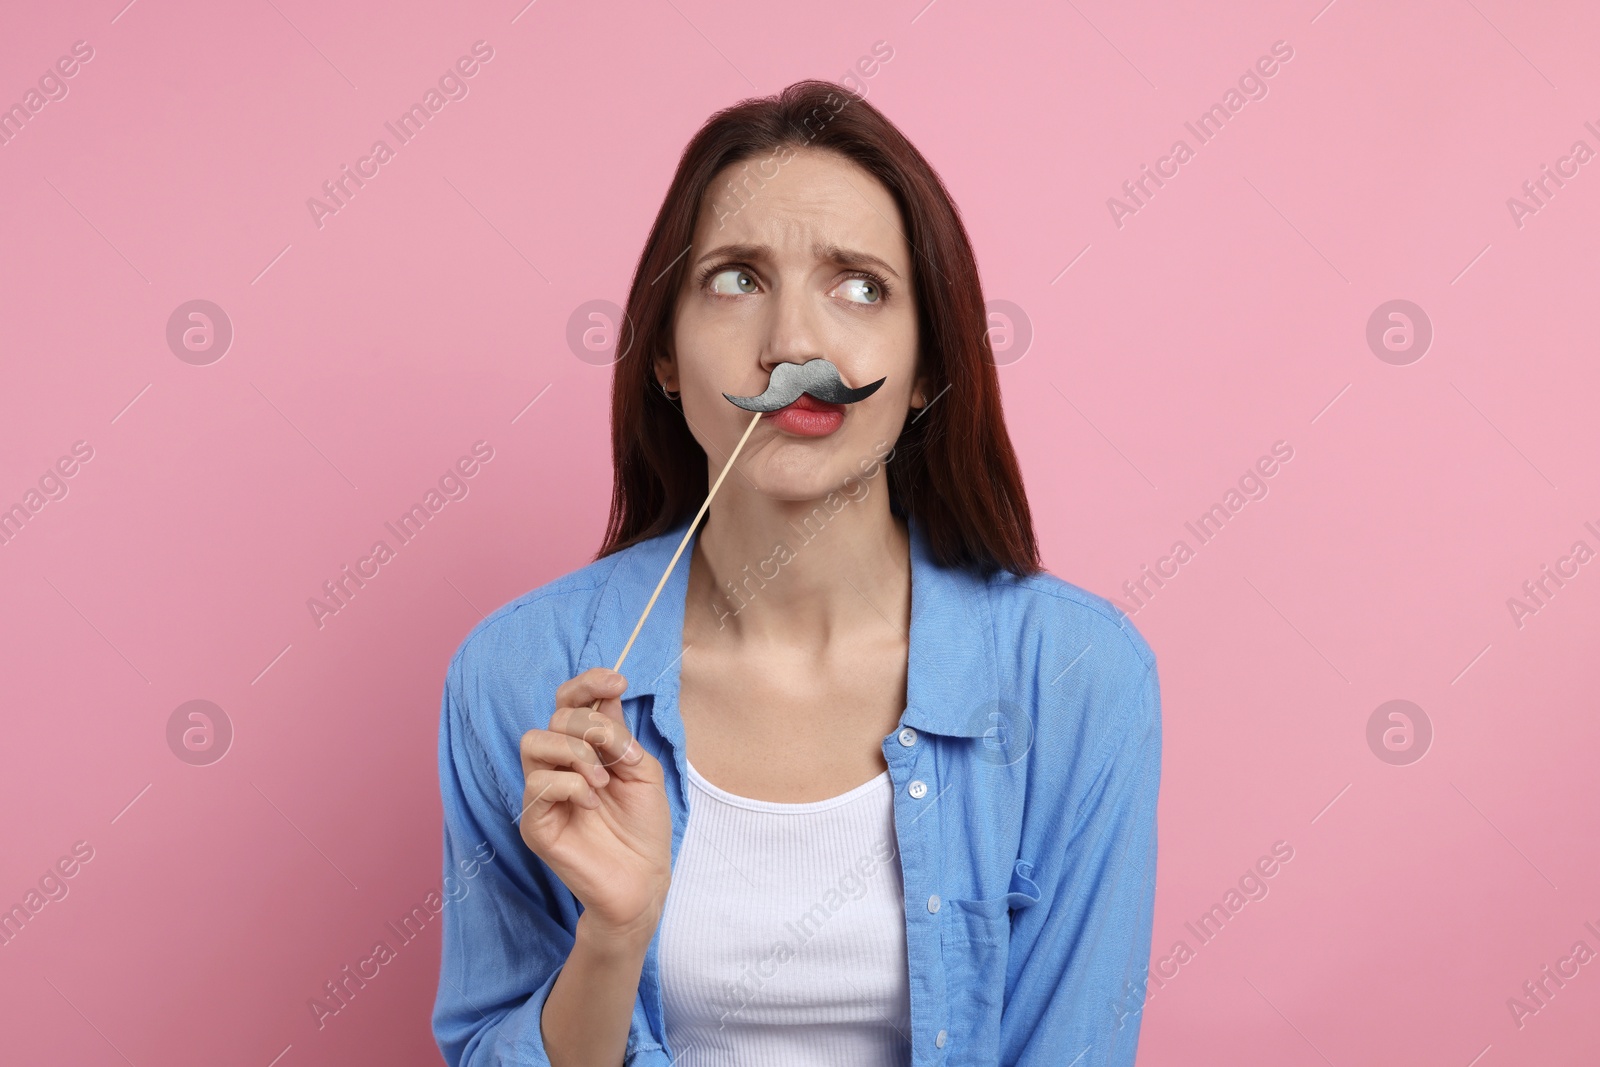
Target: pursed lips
(807,402)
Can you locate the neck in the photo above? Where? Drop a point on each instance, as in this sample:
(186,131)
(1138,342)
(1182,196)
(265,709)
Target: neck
(805,573)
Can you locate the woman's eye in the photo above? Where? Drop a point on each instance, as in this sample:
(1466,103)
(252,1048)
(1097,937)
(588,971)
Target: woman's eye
(732,282)
(861,290)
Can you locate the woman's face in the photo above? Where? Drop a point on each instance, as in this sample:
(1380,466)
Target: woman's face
(804,263)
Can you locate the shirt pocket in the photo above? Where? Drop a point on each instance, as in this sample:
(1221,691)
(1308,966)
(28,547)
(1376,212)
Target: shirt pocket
(975,942)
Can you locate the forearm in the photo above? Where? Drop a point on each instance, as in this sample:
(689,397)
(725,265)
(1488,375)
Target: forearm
(587,1015)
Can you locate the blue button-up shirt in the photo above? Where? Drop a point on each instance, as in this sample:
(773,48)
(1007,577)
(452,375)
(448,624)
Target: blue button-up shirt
(1025,771)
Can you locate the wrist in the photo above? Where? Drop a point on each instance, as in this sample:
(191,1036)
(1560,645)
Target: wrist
(624,940)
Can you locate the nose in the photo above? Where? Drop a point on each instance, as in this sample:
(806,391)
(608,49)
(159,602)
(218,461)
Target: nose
(792,333)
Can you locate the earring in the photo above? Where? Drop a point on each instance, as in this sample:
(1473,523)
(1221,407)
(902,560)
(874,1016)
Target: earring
(670,394)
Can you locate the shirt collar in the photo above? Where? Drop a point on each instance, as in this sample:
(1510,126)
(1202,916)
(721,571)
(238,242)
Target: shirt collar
(952,679)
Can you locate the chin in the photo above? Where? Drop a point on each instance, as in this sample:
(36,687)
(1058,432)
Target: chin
(793,491)
(799,482)
(797,470)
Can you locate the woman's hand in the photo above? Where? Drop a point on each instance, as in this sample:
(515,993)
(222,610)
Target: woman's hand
(594,808)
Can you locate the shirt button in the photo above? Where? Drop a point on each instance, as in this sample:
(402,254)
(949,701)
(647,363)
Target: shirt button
(918,789)
(938,1042)
(933,903)
(908,737)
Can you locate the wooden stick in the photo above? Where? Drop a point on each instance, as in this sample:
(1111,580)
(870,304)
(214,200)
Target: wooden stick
(726,467)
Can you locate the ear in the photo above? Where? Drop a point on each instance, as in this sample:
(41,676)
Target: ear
(666,370)
(919,393)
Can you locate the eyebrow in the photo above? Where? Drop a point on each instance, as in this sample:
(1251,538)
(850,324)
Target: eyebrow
(844,257)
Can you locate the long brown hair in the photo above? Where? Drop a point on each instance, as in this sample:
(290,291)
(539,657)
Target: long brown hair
(953,468)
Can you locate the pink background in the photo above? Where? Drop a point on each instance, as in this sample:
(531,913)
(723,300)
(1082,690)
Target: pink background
(1169,353)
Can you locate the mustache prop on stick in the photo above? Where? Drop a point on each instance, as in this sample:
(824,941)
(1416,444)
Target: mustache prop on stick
(818,377)
(815,376)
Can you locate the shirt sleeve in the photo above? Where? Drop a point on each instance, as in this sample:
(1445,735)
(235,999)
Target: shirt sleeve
(508,920)
(1076,988)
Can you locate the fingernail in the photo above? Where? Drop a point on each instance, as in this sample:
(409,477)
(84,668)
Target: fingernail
(633,754)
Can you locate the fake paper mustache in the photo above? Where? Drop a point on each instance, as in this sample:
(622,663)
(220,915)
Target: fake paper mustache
(818,377)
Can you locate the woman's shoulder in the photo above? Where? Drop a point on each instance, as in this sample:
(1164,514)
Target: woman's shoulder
(550,623)
(1073,665)
(1057,617)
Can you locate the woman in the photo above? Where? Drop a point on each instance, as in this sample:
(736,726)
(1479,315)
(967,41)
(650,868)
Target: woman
(876,789)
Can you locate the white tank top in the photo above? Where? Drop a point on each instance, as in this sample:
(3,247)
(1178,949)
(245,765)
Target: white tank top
(783,939)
